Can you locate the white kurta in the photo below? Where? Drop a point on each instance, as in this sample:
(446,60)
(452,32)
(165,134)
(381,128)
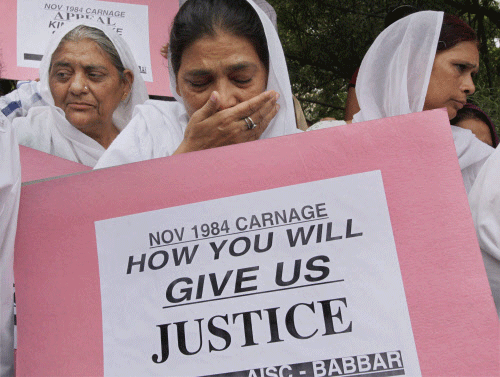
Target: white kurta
(45,128)
(484,200)
(10,186)
(157,128)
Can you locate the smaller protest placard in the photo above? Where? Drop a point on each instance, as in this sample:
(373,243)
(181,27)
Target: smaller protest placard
(37,20)
(27,25)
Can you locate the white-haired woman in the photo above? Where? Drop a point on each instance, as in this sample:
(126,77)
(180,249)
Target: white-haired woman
(89,85)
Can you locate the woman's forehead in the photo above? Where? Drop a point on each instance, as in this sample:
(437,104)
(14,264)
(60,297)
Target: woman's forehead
(82,51)
(220,49)
(464,50)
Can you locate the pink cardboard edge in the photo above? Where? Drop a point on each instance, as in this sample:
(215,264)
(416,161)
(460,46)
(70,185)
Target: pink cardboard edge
(36,165)
(161,14)
(452,313)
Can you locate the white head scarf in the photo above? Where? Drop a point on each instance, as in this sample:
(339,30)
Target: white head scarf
(394,77)
(45,128)
(395,72)
(157,128)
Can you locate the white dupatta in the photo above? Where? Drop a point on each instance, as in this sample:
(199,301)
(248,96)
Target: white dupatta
(157,128)
(394,77)
(45,128)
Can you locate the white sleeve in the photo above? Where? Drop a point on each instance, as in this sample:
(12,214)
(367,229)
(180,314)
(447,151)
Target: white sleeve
(10,185)
(484,200)
(492,267)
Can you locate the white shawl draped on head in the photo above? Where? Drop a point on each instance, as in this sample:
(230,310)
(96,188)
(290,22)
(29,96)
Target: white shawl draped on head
(45,127)
(158,127)
(484,200)
(394,77)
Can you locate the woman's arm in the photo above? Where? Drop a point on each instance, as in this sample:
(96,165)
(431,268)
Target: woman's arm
(10,186)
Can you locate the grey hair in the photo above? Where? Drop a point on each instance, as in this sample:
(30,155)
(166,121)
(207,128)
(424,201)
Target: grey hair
(87,32)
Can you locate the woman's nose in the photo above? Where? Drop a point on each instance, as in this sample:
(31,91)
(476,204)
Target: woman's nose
(228,95)
(469,87)
(78,84)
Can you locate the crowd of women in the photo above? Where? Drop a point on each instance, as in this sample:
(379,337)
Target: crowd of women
(228,74)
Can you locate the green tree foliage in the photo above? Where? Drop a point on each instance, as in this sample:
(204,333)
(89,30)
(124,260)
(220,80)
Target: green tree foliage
(325,41)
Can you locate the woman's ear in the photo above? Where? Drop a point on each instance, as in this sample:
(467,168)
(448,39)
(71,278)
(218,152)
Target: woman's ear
(128,78)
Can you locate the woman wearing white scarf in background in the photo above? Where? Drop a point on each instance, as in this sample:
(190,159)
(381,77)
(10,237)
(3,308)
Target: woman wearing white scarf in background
(161,129)
(484,200)
(46,128)
(396,77)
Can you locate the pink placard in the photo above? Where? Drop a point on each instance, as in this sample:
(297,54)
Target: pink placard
(453,318)
(37,165)
(161,14)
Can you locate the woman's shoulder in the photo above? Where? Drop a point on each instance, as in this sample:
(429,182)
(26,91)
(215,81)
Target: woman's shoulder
(326,124)
(158,117)
(38,123)
(156,130)
(467,143)
(153,107)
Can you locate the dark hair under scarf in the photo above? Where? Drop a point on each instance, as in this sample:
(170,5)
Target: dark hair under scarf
(199,18)
(470,111)
(454,31)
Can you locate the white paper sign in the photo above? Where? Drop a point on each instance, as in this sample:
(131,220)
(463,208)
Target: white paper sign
(298,280)
(37,20)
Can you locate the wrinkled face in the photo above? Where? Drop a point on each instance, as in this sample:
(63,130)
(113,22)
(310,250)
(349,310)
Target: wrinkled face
(478,128)
(225,63)
(86,85)
(451,78)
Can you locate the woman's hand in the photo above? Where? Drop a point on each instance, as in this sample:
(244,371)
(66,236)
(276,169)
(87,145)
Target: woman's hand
(210,128)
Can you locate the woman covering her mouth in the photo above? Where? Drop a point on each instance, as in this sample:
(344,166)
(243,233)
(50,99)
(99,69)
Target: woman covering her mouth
(91,83)
(228,73)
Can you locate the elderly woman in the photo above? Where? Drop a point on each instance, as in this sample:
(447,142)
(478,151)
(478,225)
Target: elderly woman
(424,61)
(91,84)
(228,73)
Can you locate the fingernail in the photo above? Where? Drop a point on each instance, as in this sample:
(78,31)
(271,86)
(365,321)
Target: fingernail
(277,96)
(277,107)
(213,97)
